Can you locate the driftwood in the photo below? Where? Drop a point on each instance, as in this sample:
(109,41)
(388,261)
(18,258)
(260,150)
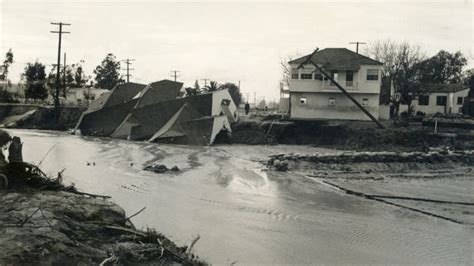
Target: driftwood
(135,214)
(191,245)
(113,259)
(123,229)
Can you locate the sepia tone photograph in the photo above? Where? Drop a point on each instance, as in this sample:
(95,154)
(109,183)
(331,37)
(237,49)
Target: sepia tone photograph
(236,132)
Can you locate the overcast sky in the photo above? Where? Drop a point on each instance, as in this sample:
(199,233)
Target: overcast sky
(223,41)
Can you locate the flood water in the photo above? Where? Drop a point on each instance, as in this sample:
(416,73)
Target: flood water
(242,213)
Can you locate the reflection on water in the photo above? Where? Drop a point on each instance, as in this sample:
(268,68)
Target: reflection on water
(242,213)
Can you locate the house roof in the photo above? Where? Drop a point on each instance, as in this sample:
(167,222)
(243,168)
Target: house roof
(123,92)
(160,91)
(446,88)
(154,116)
(338,59)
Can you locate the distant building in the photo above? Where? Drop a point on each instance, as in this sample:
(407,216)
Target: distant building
(78,96)
(443,98)
(314,97)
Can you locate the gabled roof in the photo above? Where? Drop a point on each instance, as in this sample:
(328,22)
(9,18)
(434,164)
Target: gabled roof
(154,116)
(160,91)
(445,88)
(123,92)
(338,59)
(172,127)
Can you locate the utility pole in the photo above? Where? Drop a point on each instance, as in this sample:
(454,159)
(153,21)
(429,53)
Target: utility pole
(64,77)
(205,82)
(56,94)
(127,62)
(175,74)
(357,45)
(255,98)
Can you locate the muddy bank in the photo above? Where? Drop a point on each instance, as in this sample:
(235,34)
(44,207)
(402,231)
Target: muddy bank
(45,222)
(56,227)
(348,136)
(38,117)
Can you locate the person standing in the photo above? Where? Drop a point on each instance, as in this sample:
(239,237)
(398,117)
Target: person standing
(247,108)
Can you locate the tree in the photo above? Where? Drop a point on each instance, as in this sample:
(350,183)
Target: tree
(406,82)
(79,78)
(192,91)
(6,64)
(286,68)
(108,73)
(385,51)
(35,77)
(468,80)
(443,68)
(5,96)
(213,86)
(234,91)
(400,71)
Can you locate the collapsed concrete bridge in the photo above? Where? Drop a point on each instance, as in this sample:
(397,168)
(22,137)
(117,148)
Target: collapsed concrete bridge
(156,112)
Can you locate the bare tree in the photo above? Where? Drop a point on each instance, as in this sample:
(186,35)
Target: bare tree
(286,68)
(406,81)
(399,71)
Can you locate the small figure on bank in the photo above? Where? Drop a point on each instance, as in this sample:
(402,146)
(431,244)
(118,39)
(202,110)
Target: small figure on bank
(247,108)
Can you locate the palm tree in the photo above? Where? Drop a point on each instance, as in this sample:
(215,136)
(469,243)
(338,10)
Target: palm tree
(213,86)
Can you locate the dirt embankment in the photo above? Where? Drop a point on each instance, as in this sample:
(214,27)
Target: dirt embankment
(367,162)
(57,227)
(345,136)
(38,117)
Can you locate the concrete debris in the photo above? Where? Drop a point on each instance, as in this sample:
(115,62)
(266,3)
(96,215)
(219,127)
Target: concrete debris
(157,113)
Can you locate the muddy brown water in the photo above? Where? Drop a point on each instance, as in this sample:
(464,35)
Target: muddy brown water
(244,214)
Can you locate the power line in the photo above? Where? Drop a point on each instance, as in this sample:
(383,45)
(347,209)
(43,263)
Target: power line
(175,74)
(127,62)
(357,45)
(60,33)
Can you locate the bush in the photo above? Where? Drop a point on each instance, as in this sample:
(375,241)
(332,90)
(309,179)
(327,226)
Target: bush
(420,113)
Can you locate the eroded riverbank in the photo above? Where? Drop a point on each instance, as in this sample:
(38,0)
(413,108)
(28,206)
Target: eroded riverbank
(249,215)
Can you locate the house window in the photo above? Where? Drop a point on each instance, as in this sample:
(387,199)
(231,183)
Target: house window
(294,73)
(441,100)
(332,101)
(372,74)
(349,78)
(424,100)
(303,100)
(460,100)
(334,76)
(306,76)
(318,75)
(365,102)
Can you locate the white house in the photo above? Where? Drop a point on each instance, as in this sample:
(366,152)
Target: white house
(443,98)
(314,97)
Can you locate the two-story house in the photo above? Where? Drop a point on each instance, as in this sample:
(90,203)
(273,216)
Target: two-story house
(314,97)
